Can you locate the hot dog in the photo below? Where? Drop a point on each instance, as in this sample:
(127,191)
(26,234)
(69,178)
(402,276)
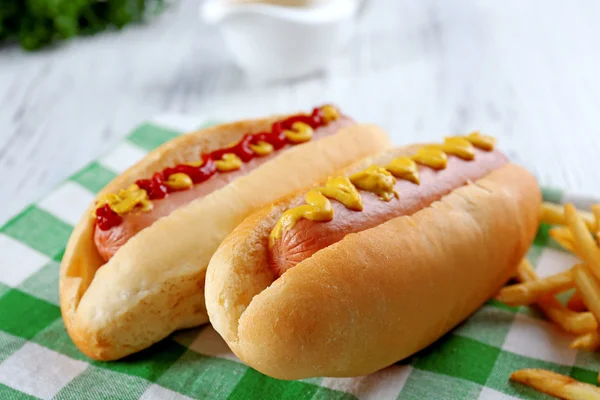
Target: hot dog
(371,266)
(108,241)
(134,267)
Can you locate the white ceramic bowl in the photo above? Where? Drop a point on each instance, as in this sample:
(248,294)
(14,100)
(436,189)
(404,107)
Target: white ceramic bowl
(272,42)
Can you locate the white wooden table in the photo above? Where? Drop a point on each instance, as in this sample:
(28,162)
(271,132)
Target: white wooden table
(526,71)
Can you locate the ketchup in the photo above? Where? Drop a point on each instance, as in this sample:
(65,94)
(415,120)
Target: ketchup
(156,189)
(198,174)
(242,149)
(106,218)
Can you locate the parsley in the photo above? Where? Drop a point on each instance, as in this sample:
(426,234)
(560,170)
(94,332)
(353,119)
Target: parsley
(38,23)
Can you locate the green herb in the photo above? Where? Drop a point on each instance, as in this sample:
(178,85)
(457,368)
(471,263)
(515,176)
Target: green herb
(38,23)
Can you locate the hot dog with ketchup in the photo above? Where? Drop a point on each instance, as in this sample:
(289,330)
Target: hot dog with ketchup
(176,186)
(134,267)
(375,264)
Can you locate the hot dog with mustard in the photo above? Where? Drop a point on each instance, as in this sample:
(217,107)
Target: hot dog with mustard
(134,267)
(375,264)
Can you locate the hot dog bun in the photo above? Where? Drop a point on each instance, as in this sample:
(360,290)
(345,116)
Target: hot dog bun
(154,283)
(376,296)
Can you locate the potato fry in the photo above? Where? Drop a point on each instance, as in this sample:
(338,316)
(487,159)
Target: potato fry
(525,271)
(585,246)
(569,321)
(586,278)
(577,323)
(524,294)
(589,288)
(562,235)
(576,303)
(555,384)
(596,212)
(589,341)
(553,214)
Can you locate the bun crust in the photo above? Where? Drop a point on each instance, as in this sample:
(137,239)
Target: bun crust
(154,284)
(379,295)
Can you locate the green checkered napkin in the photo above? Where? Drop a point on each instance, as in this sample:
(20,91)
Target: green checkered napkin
(38,360)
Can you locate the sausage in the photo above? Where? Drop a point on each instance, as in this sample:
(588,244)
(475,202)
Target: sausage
(307,237)
(109,241)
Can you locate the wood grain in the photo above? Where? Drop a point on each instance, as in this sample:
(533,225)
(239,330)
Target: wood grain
(526,72)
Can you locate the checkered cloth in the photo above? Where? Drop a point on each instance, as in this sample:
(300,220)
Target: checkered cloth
(38,359)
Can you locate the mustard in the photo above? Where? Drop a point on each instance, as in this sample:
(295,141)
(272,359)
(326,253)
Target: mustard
(483,142)
(318,208)
(460,147)
(329,113)
(375,179)
(229,162)
(299,133)
(126,200)
(198,163)
(404,168)
(262,148)
(432,157)
(179,181)
(378,180)
(341,189)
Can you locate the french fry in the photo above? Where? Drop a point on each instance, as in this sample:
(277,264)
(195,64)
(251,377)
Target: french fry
(596,212)
(553,214)
(524,294)
(586,278)
(589,341)
(573,322)
(576,303)
(589,288)
(577,323)
(562,235)
(525,271)
(556,385)
(585,246)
